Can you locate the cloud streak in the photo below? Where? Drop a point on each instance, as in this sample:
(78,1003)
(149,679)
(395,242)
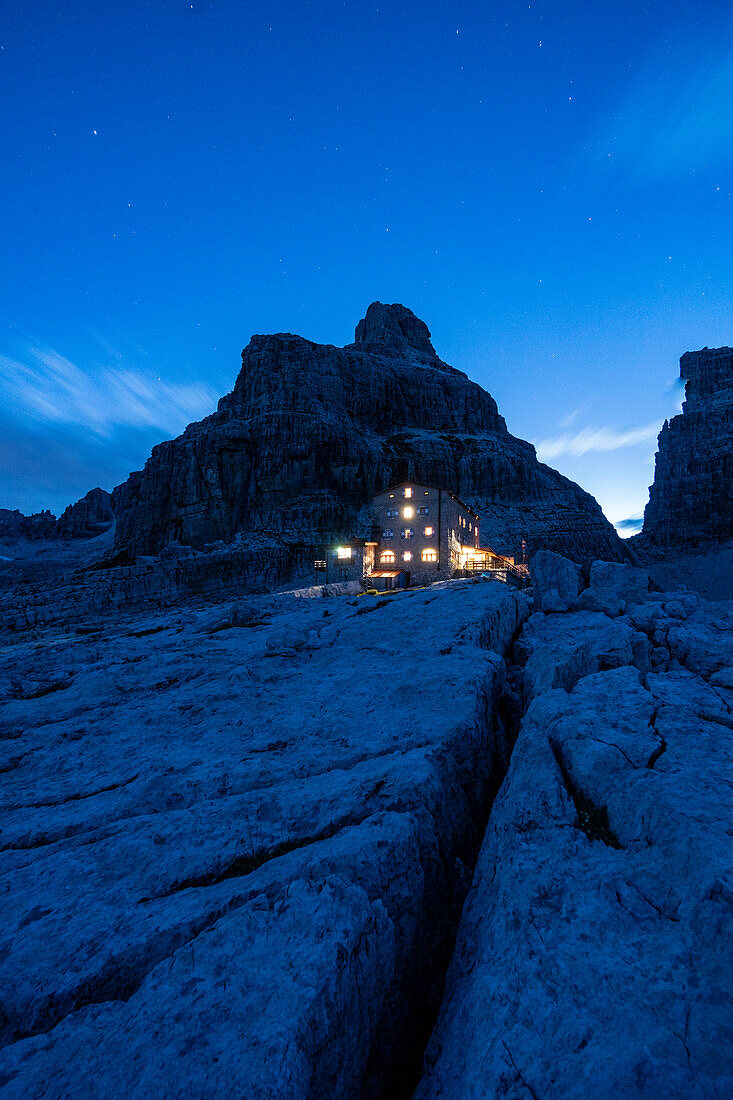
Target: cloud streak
(590,440)
(678,118)
(632,523)
(48,388)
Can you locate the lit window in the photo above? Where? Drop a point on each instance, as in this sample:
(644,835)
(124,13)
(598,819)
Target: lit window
(407,556)
(387,557)
(408,512)
(428,532)
(407,492)
(427,494)
(470,527)
(387,533)
(391,496)
(407,533)
(429,555)
(343,552)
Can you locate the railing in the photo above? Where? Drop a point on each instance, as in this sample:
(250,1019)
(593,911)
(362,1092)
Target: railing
(501,570)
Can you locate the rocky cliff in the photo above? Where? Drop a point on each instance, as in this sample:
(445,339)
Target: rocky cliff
(86,519)
(310,431)
(691,500)
(16,525)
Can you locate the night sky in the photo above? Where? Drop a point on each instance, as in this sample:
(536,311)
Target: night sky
(548,185)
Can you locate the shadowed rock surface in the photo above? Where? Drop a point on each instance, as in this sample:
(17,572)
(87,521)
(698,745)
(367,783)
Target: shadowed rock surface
(40,554)
(593,956)
(14,525)
(691,500)
(310,431)
(229,865)
(86,519)
(233,865)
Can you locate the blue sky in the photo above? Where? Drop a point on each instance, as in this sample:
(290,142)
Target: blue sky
(548,185)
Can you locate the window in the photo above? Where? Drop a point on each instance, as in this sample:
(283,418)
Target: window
(429,555)
(387,557)
(407,533)
(407,556)
(392,512)
(428,532)
(388,533)
(407,492)
(424,511)
(470,527)
(343,552)
(391,496)
(427,494)
(408,512)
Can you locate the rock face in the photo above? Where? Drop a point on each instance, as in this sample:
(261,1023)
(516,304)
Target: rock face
(231,867)
(691,500)
(86,519)
(593,954)
(73,591)
(14,525)
(394,330)
(310,432)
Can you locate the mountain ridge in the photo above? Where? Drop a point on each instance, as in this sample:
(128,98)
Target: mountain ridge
(310,431)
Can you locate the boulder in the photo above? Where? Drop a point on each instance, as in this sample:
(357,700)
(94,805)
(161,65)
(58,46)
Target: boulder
(612,587)
(556,581)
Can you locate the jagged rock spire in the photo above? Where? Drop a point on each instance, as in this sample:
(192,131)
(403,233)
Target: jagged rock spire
(393,328)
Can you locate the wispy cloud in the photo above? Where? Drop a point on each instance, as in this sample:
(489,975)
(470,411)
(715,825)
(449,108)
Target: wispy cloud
(594,439)
(572,416)
(48,388)
(630,524)
(679,116)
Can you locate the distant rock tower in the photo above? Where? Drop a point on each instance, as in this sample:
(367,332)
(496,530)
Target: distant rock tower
(691,500)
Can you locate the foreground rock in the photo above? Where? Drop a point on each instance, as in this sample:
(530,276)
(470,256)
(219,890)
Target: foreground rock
(310,432)
(235,843)
(593,957)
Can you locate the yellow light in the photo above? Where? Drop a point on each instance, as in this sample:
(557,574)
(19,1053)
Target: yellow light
(407,556)
(343,552)
(408,492)
(428,532)
(408,512)
(387,556)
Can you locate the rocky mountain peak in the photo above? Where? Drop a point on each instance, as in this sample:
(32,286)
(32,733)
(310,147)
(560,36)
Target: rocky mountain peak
(310,432)
(691,500)
(393,328)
